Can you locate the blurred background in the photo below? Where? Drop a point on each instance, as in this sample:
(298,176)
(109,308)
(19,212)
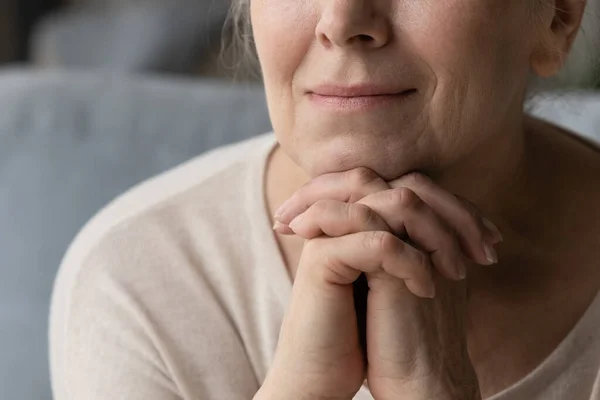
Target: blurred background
(99,95)
(169,36)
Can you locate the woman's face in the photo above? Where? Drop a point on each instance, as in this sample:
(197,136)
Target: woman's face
(393,85)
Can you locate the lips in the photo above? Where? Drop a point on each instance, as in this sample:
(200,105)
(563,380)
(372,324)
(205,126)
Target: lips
(359,90)
(357,98)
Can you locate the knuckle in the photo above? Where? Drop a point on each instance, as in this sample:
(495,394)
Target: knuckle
(416,179)
(311,248)
(303,191)
(320,264)
(319,207)
(385,242)
(360,213)
(315,253)
(422,261)
(405,198)
(361,176)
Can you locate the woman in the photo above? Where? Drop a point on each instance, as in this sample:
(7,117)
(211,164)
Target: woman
(399,137)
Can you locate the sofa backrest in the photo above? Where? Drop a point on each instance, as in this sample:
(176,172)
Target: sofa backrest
(69,143)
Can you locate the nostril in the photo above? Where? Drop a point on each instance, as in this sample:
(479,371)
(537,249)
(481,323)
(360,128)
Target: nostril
(365,38)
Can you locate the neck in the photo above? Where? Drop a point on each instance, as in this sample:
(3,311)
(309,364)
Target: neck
(493,173)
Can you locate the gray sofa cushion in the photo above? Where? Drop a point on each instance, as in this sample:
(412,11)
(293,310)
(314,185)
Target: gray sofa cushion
(69,143)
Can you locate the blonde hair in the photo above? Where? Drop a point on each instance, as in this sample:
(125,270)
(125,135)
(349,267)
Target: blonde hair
(238,51)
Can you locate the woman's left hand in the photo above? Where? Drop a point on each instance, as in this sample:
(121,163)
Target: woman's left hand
(416,347)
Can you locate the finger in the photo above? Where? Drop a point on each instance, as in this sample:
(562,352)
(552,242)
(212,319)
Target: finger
(341,260)
(349,186)
(472,235)
(408,216)
(403,330)
(282,229)
(336,218)
(494,232)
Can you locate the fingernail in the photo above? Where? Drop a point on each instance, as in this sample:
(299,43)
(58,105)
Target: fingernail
(493,230)
(283,229)
(461,271)
(490,253)
(431,292)
(296,221)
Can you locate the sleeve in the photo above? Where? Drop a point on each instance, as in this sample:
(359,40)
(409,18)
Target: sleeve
(107,347)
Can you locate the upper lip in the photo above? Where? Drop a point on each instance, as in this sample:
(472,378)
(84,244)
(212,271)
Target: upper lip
(356,90)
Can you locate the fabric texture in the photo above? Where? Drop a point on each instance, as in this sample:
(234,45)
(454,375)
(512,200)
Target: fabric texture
(177,291)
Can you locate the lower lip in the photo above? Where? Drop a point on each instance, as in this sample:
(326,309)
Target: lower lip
(359,102)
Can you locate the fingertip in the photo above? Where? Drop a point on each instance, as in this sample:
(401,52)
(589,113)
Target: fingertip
(495,234)
(287,215)
(282,229)
(456,272)
(281,216)
(430,293)
(451,267)
(490,254)
(277,215)
(461,271)
(296,222)
(426,291)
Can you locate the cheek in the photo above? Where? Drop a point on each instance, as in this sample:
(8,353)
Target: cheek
(279,28)
(283,31)
(479,61)
(472,39)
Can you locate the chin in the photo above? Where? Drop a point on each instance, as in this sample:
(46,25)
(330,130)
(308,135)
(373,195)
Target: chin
(391,144)
(344,154)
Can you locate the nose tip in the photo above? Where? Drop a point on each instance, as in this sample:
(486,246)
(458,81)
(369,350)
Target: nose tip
(352,23)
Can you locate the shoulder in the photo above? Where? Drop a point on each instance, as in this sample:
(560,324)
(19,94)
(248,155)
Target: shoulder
(160,225)
(134,290)
(203,183)
(140,263)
